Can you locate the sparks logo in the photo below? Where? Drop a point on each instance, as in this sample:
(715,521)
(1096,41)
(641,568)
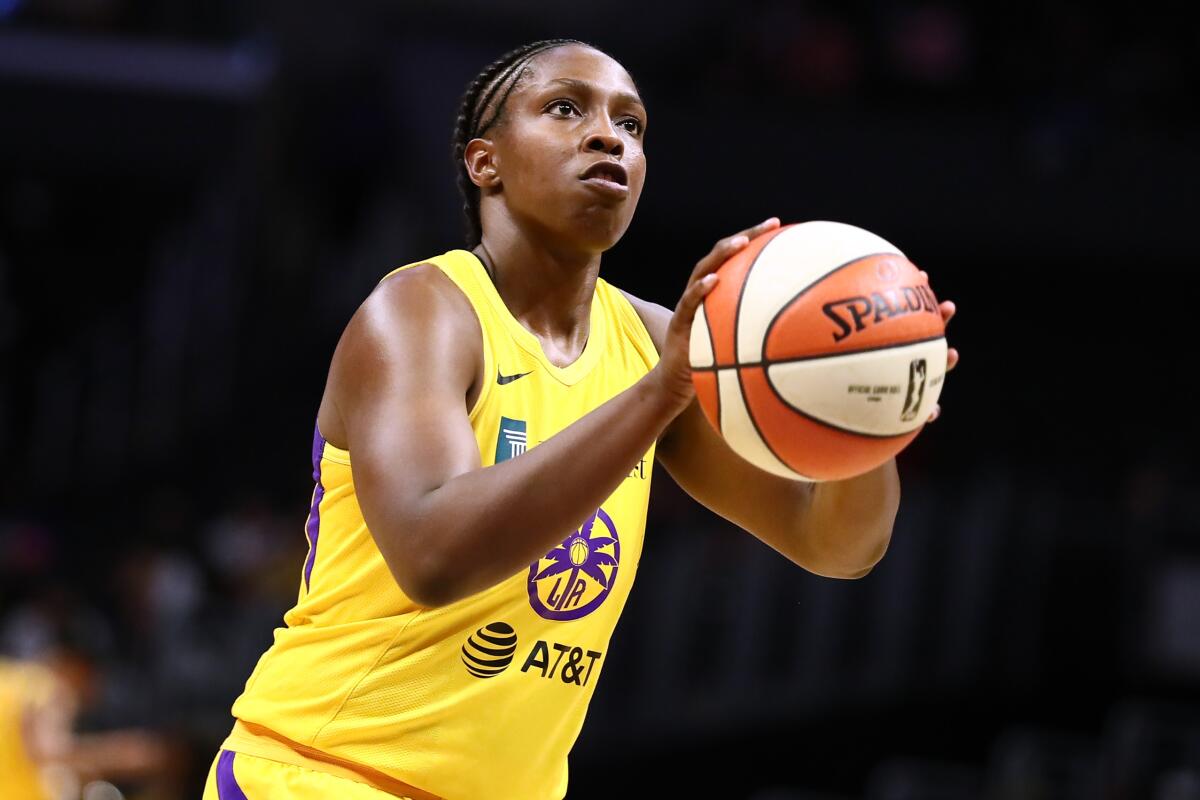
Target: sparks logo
(489,650)
(573,579)
(512,440)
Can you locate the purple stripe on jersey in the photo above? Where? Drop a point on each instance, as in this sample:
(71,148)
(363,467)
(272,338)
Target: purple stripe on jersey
(313,528)
(227,785)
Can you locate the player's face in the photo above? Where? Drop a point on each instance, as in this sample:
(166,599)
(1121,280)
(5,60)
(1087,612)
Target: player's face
(569,152)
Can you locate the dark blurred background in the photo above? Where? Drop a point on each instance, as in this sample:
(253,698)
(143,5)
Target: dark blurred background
(195,195)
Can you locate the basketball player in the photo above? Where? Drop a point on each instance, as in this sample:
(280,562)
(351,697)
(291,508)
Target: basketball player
(482,462)
(41,756)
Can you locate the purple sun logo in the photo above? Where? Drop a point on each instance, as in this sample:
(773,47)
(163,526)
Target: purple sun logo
(573,579)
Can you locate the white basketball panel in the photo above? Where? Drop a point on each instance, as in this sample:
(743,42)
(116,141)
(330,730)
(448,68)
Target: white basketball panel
(876,392)
(738,429)
(700,346)
(790,262)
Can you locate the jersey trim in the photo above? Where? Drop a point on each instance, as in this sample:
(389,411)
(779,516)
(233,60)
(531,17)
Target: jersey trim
(489,361)
(569,375)
(334,453)
(313,528)
(635,326)
(261,742)
(227,785)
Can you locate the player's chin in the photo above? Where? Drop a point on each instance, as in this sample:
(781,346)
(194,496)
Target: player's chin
(598,238)
(601,227)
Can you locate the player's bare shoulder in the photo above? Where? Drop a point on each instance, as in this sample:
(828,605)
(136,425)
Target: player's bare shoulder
(656,318)
(423,291)
(415,328)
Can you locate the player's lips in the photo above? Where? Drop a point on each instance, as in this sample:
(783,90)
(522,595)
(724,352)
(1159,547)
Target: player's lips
(608,177)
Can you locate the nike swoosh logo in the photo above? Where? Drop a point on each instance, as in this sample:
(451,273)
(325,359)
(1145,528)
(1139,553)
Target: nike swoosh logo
(503,379)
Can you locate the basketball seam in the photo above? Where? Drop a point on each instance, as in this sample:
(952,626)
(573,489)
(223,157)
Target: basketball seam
(737,319)
(737,310)
(712,345)
(806,415)
(758,430)
(769,362)
(771,325)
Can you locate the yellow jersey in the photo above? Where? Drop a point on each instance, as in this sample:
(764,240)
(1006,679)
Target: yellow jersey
(484,697)
(24,688)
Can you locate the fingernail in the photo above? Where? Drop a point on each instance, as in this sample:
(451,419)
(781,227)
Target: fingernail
(739,241)
(710,279)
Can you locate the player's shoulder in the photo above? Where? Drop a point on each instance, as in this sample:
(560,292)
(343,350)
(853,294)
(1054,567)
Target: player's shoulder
(420,283)
(420,295)
(411,312)
(644,307)
(655,317)
(414,329)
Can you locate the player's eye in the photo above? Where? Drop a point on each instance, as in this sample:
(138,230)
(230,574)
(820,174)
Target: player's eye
(562,108)
(631,124)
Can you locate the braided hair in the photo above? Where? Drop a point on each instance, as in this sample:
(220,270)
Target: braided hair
(476,115)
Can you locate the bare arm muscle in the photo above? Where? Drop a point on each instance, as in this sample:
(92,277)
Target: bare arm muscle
(398,381)
(838,529)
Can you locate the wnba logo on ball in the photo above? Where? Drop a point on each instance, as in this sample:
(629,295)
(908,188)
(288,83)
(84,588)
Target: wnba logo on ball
(489,650)
(916,390)
(573,579)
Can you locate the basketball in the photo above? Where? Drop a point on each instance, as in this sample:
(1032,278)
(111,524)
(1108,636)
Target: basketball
(820,353)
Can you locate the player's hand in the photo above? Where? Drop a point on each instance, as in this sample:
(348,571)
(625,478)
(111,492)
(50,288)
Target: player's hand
(674,367)
(948,310)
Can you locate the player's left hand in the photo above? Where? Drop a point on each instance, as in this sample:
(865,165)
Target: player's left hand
(948,310)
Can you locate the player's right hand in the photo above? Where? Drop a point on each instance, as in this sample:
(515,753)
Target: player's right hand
(674,370)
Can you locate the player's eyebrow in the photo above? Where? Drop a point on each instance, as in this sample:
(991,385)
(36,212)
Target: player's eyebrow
(591,88)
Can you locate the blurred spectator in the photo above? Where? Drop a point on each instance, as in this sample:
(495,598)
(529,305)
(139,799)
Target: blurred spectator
(43,757)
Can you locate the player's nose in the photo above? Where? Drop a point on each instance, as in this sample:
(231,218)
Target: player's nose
(603,138)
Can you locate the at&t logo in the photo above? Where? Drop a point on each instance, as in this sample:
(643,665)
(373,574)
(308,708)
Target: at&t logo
(489,650)
(576,667)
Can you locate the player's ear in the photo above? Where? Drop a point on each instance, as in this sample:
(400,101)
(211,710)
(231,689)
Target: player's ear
(480,158)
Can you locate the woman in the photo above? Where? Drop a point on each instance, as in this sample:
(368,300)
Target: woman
(447,637)
(41,755)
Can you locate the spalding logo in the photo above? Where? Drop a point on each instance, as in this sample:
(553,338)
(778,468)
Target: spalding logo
(853,314)
(489,650)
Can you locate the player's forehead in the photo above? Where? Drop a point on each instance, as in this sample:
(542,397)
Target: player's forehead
(581,66)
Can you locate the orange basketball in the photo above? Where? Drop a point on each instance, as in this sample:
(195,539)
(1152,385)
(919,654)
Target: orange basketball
(820,353)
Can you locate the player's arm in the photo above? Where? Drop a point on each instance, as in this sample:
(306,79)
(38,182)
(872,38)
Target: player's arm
(48,734)
(46,723)
(401,377)
(837,528)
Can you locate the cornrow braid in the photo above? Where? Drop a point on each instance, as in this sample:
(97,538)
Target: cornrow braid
(504,72)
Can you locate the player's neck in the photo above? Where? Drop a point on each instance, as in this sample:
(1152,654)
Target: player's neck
(548,290)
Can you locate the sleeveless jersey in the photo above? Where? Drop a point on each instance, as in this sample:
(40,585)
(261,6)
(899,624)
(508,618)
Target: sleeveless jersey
(484,697)
(24,688)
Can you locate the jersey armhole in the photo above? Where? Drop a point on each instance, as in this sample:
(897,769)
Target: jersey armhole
(489,361)
(634,324)
(489,368)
